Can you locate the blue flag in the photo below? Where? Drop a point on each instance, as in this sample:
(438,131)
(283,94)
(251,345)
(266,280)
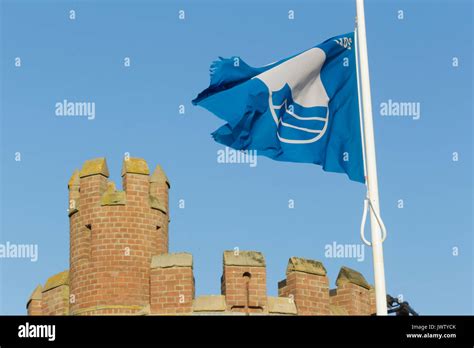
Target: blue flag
(303,108)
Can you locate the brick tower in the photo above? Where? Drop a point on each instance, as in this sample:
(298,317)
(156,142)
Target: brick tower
(113,236)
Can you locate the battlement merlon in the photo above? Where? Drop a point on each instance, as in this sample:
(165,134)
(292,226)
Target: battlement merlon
(352,285)
(171,284)
(140,189)
(159,186)
(136,181)
(159,177)
(307,283)
(244,281)
(88,184)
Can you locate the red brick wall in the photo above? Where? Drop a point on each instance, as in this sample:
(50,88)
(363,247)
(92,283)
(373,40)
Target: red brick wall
(354,298)
(55,301)
(309,291)
(172,290)
(234,287)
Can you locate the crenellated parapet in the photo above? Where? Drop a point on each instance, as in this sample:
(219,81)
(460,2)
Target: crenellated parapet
(91,184)
(120,262)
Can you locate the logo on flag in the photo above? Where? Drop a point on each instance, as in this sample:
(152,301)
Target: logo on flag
(297,100)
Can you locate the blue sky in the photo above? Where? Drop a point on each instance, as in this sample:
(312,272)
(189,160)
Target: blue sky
(234,205)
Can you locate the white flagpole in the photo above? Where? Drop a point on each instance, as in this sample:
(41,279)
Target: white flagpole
(370,163)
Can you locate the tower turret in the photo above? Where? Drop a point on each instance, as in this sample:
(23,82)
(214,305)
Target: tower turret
(114,235)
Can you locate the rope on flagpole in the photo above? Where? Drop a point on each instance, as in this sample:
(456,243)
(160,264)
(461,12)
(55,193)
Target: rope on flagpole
(367,204)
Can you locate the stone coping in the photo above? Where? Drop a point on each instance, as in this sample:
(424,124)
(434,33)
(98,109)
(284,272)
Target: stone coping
(172,260)
(348,275)
(56,280)
(135,165)
(209,303)
(299,264)
(281,305)
(94,167)
(244,258)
